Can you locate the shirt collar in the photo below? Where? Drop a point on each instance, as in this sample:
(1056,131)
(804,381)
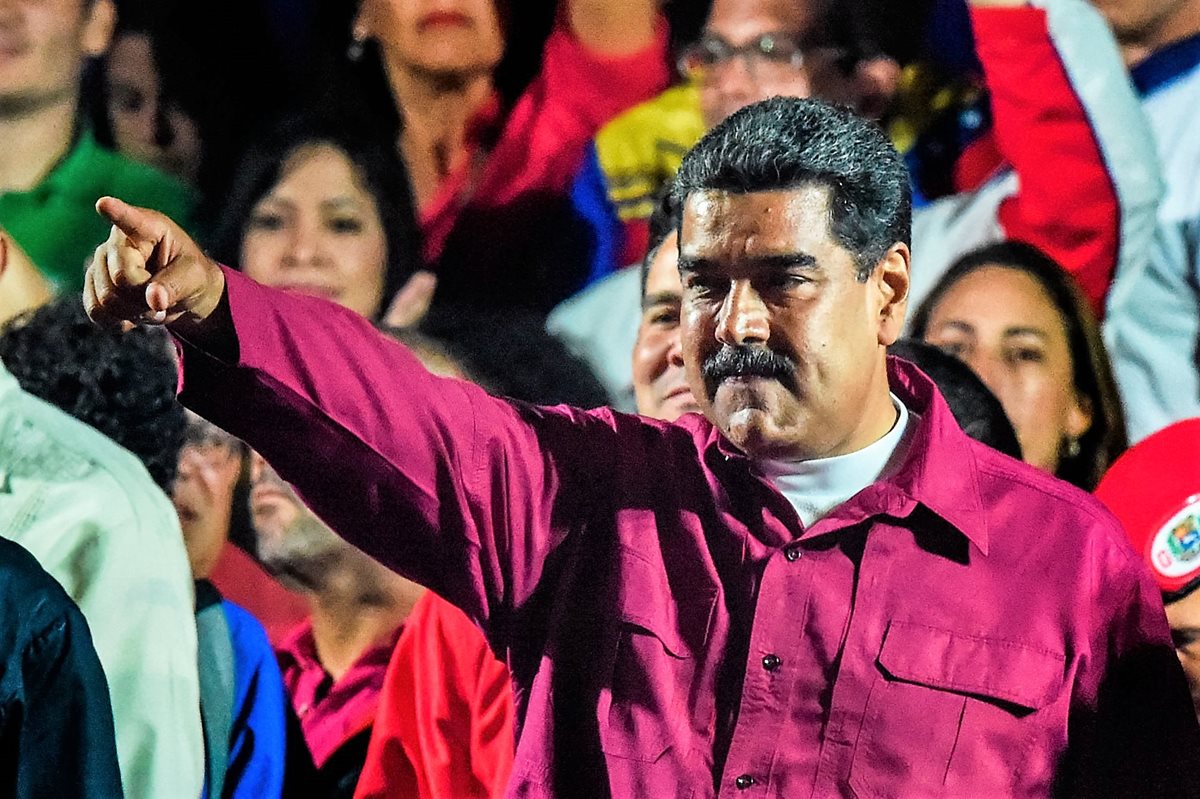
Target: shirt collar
(938,472)
(1166,65)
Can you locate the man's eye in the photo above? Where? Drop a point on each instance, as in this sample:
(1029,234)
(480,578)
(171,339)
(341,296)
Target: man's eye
(664,318)
(699,283)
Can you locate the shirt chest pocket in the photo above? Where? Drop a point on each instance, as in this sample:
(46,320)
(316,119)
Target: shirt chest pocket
(647,706)
(950,714)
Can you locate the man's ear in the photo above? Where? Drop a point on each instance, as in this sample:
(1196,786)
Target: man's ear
(891,281)
(98,27)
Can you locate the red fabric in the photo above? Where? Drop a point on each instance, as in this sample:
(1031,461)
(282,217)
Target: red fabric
(1067,204)
(965,626)
(331,713)
(243,581)
(541,144)
(978,163)
(444,729)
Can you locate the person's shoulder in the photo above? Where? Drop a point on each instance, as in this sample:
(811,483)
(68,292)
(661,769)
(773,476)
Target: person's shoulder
(137,183)
(1040,511)
(30,598)
(671,121)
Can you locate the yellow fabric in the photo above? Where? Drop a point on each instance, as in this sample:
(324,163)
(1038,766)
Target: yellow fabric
(640,150)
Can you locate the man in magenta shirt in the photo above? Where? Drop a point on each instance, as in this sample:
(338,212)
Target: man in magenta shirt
(819,587)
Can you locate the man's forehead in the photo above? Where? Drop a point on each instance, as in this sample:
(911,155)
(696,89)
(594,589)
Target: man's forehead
(735,20)
(754,221)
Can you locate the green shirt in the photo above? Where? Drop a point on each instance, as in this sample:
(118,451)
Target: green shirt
(56,222)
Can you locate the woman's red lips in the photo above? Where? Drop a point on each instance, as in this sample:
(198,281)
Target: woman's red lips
(439,19)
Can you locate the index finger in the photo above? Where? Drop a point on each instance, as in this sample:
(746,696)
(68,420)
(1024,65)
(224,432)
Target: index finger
(142,227)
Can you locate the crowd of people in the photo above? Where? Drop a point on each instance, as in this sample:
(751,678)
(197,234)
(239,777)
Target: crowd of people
(616,398)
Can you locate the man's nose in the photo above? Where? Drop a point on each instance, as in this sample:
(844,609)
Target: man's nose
(743,316)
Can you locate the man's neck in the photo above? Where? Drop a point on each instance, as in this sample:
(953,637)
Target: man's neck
(359,606)
(438,110)
(35,140)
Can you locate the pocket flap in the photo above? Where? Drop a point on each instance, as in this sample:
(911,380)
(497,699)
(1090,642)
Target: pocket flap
(678,619)
(1020,674)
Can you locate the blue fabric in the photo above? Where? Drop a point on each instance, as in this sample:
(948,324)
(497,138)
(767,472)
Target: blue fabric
(1167,65)
(258,740)
(589,197)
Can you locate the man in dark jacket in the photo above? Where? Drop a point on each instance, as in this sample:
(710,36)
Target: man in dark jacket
(56,722)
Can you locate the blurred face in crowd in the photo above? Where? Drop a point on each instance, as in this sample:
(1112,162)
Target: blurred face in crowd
(659,381)
(1005,326)
(146,126)
(435,37)
(292,542)
(754,49)
(1184,617)
(783,344)
(209,467)
(43,46)
(318,231)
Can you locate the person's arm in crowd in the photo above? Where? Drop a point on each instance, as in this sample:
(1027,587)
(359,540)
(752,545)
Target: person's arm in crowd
(1084,184)
(1134,735)
(463,493)
(1073,130)
(1152,332)
(65,744)
(614,27)
(257,734)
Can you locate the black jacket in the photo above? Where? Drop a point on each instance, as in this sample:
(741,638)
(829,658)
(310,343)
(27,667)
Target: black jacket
(56,722)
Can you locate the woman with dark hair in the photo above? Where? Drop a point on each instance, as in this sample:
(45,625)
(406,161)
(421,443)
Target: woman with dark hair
(323,207)
(1022,324)
(491,175)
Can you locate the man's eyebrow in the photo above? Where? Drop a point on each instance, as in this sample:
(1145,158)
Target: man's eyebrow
(787,260)
(694,264)
(661,298)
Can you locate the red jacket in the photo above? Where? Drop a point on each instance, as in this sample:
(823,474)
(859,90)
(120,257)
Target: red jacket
(444,727)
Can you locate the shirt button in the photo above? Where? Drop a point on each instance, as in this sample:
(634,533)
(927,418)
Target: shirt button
(792,554)
(771,662)
(743,782)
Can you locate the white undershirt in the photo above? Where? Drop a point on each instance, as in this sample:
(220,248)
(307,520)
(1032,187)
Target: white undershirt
(818,486)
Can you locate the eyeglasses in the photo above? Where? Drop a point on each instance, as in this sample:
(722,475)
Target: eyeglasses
(778,50)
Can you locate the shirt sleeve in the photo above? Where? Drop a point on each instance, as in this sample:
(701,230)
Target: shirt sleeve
(258,739)
(66,746)
(577,91)
(1068,122)
(1030,92)
(1153,329)
(458,491)
(1138,735)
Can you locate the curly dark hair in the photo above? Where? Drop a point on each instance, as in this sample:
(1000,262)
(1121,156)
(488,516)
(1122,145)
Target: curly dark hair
(122,384)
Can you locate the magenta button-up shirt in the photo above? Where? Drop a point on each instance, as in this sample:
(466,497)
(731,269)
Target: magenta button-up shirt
(967,627)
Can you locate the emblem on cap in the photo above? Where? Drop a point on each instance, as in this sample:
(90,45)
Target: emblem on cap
(1175,548)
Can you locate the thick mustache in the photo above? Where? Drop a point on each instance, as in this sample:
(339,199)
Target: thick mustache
(730,361)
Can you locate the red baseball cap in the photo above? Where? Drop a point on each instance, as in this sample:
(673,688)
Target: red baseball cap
(1154,490)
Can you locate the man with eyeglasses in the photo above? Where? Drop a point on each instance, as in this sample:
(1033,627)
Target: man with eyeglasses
(1066,132)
